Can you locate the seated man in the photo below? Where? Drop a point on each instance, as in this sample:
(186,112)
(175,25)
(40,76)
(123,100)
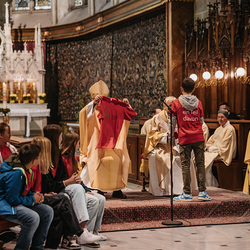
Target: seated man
(221,145)
(231,116)
(157,151)
(145,126)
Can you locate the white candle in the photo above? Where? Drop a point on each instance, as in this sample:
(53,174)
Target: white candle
(34,86)
(4,96)
(19,87)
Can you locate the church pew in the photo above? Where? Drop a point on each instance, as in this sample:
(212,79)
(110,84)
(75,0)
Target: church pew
(232,176)
(4,224)
(229,177)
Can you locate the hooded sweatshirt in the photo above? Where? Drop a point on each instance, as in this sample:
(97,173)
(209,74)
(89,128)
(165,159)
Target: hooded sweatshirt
(13,183)
(189,114)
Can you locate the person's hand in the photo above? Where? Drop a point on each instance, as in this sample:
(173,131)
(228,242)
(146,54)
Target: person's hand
(77,178)
(50,194)
(97,99)
(125,100)
(39,198)
(74,179)
(90,193)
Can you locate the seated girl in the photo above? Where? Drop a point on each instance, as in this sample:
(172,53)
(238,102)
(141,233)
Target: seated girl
(58,181)
(70,146)
(65,221)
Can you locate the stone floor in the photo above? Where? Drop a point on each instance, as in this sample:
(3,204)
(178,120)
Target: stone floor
(216,237)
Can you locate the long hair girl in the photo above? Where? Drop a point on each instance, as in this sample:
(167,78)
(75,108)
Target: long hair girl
(68,148)
(54,132)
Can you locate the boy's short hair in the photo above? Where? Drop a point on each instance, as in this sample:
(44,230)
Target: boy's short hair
(3,125)
(188,85)
(28,153)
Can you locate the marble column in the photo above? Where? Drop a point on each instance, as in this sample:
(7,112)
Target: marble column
(91,7)
(54,11)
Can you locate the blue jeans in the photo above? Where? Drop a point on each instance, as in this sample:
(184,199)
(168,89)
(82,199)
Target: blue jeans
(95,206)
(78,199)
(35,222)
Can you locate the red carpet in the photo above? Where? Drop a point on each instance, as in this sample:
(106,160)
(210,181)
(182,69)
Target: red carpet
(142,210)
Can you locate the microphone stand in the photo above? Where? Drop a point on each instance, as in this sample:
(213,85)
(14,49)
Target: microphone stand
(171,222)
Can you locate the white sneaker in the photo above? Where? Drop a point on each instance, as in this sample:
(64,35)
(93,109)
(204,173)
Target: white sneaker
(103,237)
(86,237)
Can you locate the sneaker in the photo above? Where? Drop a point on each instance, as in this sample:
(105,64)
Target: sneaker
(203,196)
(69,243)
(103,237)
(184,197)
(86,237)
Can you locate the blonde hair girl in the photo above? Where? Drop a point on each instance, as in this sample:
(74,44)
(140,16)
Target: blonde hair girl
(45,159)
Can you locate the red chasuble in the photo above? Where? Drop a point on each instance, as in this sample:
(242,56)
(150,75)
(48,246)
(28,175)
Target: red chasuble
(112,113)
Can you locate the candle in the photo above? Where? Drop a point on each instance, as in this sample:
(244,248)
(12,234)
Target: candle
(4,96)
(34,86)
(19,87)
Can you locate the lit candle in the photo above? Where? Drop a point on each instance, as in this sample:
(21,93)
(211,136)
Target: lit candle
(34,86)
(19,87)
(4,96)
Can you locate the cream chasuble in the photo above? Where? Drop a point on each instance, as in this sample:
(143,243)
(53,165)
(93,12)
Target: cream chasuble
(247,161)
(158,153)
(205,131)
(222,146)
(107,169)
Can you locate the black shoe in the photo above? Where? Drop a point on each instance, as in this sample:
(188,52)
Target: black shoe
(68,243)
(7,236)
(92,245)
(119,194)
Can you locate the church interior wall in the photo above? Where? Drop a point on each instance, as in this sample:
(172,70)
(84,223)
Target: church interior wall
(132,52)
(61,12)
(201,9)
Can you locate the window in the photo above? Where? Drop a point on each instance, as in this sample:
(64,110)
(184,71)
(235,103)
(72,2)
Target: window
(42,4)
(78,2)
(22,4)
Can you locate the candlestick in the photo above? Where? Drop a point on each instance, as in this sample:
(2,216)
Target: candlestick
(4,96)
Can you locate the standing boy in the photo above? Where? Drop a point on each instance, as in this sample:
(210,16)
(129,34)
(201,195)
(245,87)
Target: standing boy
(189,114)
(26,210)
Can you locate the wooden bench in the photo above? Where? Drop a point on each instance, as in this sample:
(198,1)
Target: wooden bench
(4,224)
(232,176)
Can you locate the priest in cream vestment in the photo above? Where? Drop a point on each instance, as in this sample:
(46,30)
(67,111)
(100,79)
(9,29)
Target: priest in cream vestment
(157,151)
(247,161)
(221,145)
(106,169)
